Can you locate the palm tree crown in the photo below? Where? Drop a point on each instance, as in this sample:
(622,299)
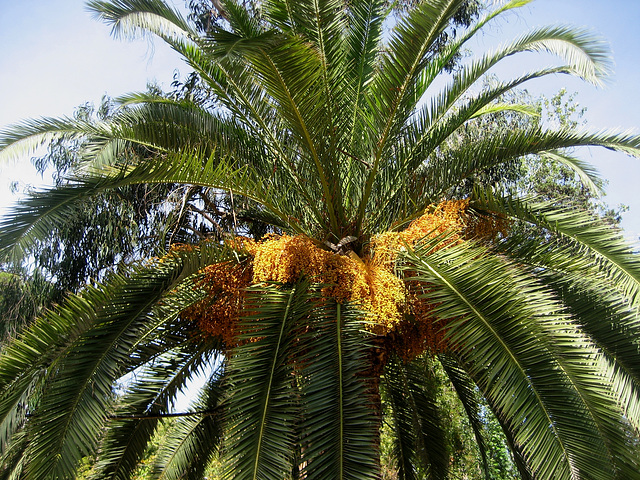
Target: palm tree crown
(381,265)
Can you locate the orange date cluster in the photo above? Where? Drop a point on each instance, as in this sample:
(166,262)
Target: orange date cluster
(398,307)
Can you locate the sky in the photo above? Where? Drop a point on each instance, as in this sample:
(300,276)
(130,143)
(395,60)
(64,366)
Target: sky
(54,57)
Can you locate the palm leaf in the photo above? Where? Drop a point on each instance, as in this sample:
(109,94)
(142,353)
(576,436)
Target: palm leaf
(36,215)
(82,365)
(194,438)
(463,162)
(465,390)
(131,17)
(603,248)
(339,428)
(539,356)
(392,89)
(13,459)
(419,433)
(605,313)
(262,407)
(363,35)
(24,138)
(135,420)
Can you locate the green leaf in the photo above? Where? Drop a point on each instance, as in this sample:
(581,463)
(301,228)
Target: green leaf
(542,376)
(138,413)
(262,407)
(75,350)
(193,439)
(418,426)
(339,423)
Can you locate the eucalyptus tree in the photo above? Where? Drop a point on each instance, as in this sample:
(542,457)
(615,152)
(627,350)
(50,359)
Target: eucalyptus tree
(377,269)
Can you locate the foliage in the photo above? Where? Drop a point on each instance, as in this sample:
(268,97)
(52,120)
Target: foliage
(21,300)
(392,286)
(558,181)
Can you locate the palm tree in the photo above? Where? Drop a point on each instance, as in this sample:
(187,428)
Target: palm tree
(379,268)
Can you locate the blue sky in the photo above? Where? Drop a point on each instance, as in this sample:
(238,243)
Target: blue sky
(54,57)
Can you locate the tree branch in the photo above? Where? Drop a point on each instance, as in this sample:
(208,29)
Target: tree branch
(163,415)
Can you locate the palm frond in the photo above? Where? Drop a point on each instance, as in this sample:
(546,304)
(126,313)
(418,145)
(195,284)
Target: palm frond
(601,246)
(435,123)
(262,408)
(24,138)
(440,59)
(14,410)
(463,162)
(535,349)
(131,17)
(291,74)
(585,55)
(393,87)
(613,325)
(174,126)
(240,19)
(363,36)
(13,460)
(605,313)
(405,437)
(194,438)
(417,426)
(585,172)
(465,390)
(137,415)
(339,427)
(38,214)
(507,107)
(73,348)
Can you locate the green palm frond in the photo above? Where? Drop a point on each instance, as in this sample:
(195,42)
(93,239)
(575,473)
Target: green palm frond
(534,351)
(392,89)
(365,30)
(438,62)
(292,75)
(194,438)
(38,214)
(339,434)
(228,79)
(262,411)
(405,59)
(13,460)
(602,247)
(586,56)
(72,348)
(135,419)
(524,470)
(463,162)
(24,138)
(605,312)
(507,107)
(586,173)
(131,17)
(240,19)
(178,125)
(613,325)
(451,110)
(466,392)
(404,435)
(417,426)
